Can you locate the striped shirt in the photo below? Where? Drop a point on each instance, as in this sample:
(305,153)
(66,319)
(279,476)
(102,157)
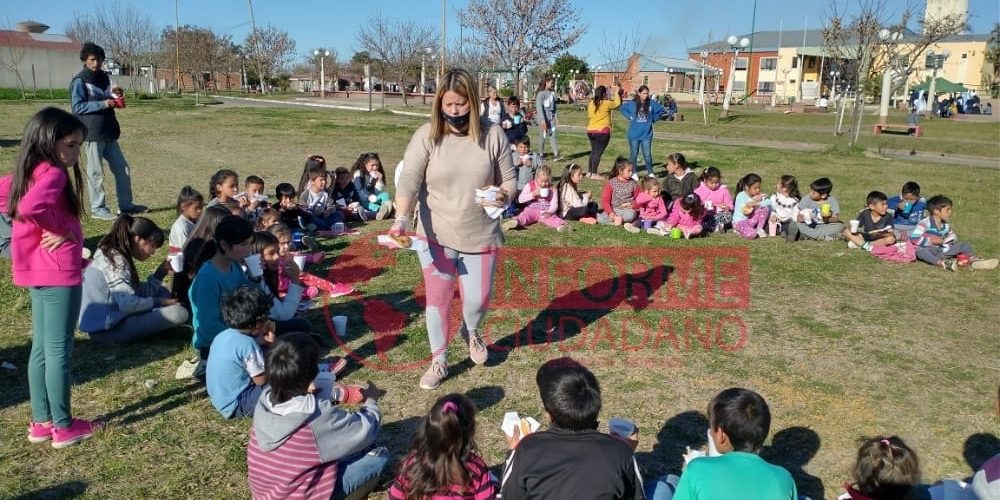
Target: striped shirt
(292,470)
(926,228)
(481,486)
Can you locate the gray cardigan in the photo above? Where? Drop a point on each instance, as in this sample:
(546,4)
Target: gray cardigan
(108,294)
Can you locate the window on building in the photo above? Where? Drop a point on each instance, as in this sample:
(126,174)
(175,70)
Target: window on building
(812,63)
(671,84)
(645,79)
(739,86)
(791,81)
(965,56)
(741,64)
(795,62)
(768,63)
(765,87)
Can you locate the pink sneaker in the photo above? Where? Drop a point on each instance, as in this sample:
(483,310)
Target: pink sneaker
(77,431)
(39,433)
(341,289)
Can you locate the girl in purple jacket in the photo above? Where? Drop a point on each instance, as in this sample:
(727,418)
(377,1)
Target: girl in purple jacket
(46,255)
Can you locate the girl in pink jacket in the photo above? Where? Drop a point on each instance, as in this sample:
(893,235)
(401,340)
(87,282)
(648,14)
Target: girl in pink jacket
(716,199)
(652,208)
(687,215)
(46,257)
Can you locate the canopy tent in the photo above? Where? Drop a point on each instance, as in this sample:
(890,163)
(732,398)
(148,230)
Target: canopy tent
(942,85)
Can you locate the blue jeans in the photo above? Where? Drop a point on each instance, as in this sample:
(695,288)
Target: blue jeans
(662,488)
(107,150)
(248,401)
(360,472)
(646,145)
(325,223)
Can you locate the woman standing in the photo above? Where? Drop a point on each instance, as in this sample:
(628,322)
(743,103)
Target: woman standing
(545,102)
(492,107)
(46,250)
(446,161)
(641,112)
(599,124)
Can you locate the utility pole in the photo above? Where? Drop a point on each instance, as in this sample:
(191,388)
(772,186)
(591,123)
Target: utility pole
(253,46)
(177,45)
(444,38)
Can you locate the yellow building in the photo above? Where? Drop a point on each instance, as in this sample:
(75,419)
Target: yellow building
(965,65)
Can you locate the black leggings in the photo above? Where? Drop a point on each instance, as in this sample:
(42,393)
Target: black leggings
(598,142)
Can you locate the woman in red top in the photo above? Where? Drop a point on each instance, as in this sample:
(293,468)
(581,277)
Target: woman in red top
(46,256)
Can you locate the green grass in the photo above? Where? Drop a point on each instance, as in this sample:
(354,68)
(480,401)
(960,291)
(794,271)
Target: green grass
(840,344)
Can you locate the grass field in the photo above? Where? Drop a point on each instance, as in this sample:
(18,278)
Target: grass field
(841,345)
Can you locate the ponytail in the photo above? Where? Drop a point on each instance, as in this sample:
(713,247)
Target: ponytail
(710,173)
(747,181)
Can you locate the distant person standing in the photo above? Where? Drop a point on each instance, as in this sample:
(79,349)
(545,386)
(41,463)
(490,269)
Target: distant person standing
(545,105)
(93,103)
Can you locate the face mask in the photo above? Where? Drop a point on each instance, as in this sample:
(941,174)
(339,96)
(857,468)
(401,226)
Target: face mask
(459,122)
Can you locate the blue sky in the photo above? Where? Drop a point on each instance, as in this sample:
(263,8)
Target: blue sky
(666,27)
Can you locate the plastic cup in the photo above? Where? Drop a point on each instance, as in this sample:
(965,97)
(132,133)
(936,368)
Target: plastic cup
(772,228)
(676,233)
(709,205)
(340,325)
(825,209)
(854,226)
(621,427)
(339,227)
(119,102)
(254,267)
(176,260)
(300,260)
(543,192)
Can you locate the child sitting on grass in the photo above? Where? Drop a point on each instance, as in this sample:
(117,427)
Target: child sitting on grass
(739,421)
(224,186)
(541,203)
(235,370)
(570,459)
(317,201)
(886,469)
(618,197)
(687,215)
(253,193)
(346,196)
(573,203)
(716,199)
(290,212)
(525,161)
(819,214)
(785,203)
(190,204)
(936,242)
(752,208)
(874,225)
(369,181)
(907,209)
(680,181)
(652,208)
(302,446)
(443,461)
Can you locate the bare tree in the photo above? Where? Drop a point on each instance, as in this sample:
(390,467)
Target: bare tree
(269,49)
(11,57)
(327,66)
(399,44)
(201,51)
(617,52)
(860,41)
(521,33)
(127,35)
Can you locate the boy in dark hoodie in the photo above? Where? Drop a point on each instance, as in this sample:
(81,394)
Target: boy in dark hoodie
(302,446)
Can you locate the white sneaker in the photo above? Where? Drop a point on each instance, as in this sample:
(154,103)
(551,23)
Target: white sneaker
(509,224)
(656,231)
(631,227)
(434,376)
(565,228)
(761,233)
(852,245)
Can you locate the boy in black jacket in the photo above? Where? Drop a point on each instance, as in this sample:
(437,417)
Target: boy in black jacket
(570,459)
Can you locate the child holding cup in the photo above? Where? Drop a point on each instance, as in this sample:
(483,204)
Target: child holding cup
(873,227)
(541,203)
(116,306)
(819,214)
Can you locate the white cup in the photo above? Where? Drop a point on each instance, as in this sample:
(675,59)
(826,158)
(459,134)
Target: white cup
(339,227)
(854,226)
(300,260)
(543,192)
(340,325)
(708,205)
(252,262)
(176,261)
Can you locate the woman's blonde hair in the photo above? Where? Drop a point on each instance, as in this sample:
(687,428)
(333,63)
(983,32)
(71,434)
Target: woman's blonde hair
(464,84)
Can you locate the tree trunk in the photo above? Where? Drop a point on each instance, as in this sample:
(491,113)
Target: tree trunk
(402,88)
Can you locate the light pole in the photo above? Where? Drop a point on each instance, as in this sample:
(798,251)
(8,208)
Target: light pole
(572,84)
(834,75)
(889,37)
(935,61)
(555,83)
(701,82)
(423,73)
(736,45)
(322,71)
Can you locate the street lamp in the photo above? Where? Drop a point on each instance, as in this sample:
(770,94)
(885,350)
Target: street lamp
(735,44)
(572,85)
(555,83)
(322,71)
(423,72)
(935,61)
(888,37)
